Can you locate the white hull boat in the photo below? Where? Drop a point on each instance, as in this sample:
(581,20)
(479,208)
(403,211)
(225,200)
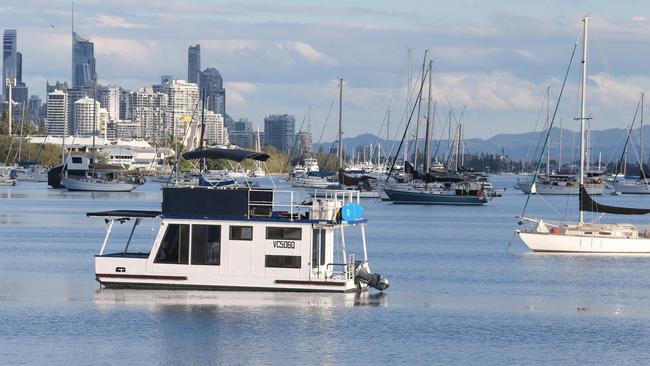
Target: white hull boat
(97,185)
(559,188)
(631,187)
(587,238)
(242,239)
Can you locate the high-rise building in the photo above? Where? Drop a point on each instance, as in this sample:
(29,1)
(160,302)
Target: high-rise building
(75,94)
(183,101)
(279,131)
(57,113)
(56,86)
(241,133)
(34,106)
(127,129)
(9,58)
(211,83)
(83,62)
(303,143)
(86,116)
(193,63)
(20,93)
(149,110)
(165,80)
(109,98)
(125,110)
(215,132)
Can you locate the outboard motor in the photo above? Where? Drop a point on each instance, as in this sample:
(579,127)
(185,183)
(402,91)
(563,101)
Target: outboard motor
(374,280)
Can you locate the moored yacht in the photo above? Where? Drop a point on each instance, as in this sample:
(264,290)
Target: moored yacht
(7,176)
(243,238)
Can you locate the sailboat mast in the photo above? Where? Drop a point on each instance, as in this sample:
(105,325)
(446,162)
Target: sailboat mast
(71,78)
(417,120)
(559,158)
(548,123)
(641,147)
(583,97)
(94,123)
(202,165)
(340,123)
(427,137)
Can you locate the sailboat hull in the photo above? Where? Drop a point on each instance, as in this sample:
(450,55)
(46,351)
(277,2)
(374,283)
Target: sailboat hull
(560,243)
(93,186)
(549,189)
(429,198)
(631,188)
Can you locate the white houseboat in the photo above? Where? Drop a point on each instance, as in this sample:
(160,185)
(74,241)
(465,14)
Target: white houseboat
(243,238)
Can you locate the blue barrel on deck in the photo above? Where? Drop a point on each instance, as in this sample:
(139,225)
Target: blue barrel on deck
(352,212)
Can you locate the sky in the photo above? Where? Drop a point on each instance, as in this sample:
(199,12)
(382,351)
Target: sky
(492,60)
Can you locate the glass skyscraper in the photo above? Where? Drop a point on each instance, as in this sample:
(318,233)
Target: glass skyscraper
(211,83)
(280,131)
(9,58)
(83,62)
(193,63)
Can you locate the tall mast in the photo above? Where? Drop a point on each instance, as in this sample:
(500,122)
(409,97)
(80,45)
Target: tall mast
(417,120)
(583,97)
(548,123)
(203,101)
(559,158)
(340,123)
(641,148)
(65,122)
(427,137)
(94,123)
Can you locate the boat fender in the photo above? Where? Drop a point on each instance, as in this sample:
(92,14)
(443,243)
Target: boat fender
(555,230)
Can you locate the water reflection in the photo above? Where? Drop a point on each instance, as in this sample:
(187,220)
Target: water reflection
(191,299)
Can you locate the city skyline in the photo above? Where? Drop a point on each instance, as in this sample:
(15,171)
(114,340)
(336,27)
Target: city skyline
(272,64)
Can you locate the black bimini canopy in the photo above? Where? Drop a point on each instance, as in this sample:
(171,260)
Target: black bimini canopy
(125,213)
(229,154)
(589,205)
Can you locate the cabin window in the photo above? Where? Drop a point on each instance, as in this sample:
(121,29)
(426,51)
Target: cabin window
(289,233)
(175,245)
(76,160)
(241,233)
(318,248)
(283,261)
(206,245)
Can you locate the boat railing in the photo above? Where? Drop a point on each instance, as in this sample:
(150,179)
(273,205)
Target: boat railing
(285,204)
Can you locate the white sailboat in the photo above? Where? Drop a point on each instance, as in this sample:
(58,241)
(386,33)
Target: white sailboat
(641,185)
(584,237)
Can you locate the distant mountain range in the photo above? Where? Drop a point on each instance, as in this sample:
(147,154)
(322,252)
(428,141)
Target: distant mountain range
(523,145)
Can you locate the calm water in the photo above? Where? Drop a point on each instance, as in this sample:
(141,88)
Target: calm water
(458,295)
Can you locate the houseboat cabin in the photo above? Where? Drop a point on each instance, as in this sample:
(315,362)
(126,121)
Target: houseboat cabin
(243,238)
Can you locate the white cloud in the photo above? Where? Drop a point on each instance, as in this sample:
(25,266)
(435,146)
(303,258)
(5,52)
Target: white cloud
(614,93)
(228,44)
(525,53)
(117,22)
(129,50)
(639,18)
(306,51)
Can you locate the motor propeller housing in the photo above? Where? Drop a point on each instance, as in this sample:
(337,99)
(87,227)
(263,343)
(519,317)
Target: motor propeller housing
(374,280)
